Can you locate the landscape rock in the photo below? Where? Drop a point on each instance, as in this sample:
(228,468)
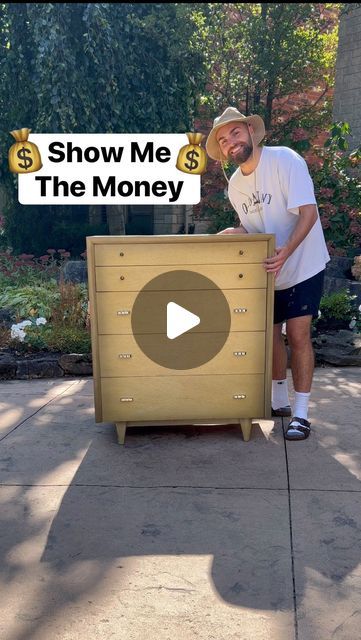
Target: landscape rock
(43,366)
(76,364)
(340,349)
(339,267)
(7,366)
(338,277)
(75,271)
(6,318)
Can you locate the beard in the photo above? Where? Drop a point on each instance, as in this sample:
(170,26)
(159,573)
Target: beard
(242,155)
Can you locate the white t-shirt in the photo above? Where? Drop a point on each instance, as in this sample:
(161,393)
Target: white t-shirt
(268,201)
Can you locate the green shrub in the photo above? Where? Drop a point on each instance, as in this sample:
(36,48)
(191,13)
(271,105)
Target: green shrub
(72,306)
(55,338)
(68,339)
(337,311)
(63,303)
(33,300)
(337,305)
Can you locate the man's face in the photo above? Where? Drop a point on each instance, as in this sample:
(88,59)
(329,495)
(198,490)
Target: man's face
(235,142)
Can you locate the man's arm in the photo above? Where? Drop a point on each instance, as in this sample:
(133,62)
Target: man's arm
(307,218)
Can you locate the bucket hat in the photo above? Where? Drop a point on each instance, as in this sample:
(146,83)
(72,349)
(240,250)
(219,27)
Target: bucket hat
(231,114)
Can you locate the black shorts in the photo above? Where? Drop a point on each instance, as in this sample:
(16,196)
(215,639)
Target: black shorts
(301,300)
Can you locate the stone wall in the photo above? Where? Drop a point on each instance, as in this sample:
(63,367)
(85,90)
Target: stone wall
(168,219)
(347,95)
(338,277)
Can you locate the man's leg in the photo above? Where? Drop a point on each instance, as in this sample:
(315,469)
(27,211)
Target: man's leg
(302,355)
(303,296)
(302,366)
(279,364)
(280,400)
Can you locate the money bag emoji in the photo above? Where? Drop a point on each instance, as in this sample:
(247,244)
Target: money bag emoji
(24,156)
(192,158)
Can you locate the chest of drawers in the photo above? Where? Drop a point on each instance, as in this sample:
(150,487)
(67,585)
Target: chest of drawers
(133,389)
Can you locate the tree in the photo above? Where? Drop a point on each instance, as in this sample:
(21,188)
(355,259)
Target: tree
(274,59)
(92,68)
(259,53)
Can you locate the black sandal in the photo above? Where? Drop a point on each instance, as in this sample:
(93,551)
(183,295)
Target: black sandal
(282,412)
(298,429)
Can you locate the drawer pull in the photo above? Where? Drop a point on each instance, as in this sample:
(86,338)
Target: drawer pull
(239,353)
(241,252)
(239,310)
(121,254)
(240,275)
(126,399)
(123,312)
(122,278)
(125,355)
(240,396)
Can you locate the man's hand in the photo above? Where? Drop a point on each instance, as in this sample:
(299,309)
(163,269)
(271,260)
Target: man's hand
(232,230)
(275,264)
(306,219)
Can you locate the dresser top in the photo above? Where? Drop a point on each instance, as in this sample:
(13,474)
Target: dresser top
(181,238)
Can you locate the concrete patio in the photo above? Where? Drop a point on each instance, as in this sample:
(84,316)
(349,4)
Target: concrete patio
(185,533)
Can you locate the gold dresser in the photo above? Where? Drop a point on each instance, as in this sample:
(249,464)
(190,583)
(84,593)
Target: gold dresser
(220,370)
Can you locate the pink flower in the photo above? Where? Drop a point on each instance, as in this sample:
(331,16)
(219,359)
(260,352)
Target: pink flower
(328,208)
(355,228)
(325,192)
(344,208)
(51,251)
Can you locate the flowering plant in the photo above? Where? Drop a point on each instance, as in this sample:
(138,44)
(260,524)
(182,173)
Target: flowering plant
(26,269)
(18,330)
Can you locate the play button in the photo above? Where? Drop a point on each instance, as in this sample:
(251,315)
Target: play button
(180,319)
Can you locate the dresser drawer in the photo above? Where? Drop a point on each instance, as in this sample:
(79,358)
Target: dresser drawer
(224,276)
(242,353)
(201,397)
(187,253)
(247,308)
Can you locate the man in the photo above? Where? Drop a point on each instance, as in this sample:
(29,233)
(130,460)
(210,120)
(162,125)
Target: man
(272,192)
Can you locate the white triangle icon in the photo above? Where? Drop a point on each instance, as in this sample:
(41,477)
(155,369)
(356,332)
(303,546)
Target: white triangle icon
(179,320)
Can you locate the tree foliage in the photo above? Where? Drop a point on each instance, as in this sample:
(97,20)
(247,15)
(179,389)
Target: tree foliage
(278,60)
(259,53)
(93,68)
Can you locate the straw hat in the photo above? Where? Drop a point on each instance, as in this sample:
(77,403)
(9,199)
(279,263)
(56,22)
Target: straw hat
(233,115)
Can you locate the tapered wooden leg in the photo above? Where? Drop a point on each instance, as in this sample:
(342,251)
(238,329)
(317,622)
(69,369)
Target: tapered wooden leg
(246,426)
(121,429)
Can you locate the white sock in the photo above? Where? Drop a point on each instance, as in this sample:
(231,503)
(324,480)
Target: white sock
(280,394)
(301,405)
